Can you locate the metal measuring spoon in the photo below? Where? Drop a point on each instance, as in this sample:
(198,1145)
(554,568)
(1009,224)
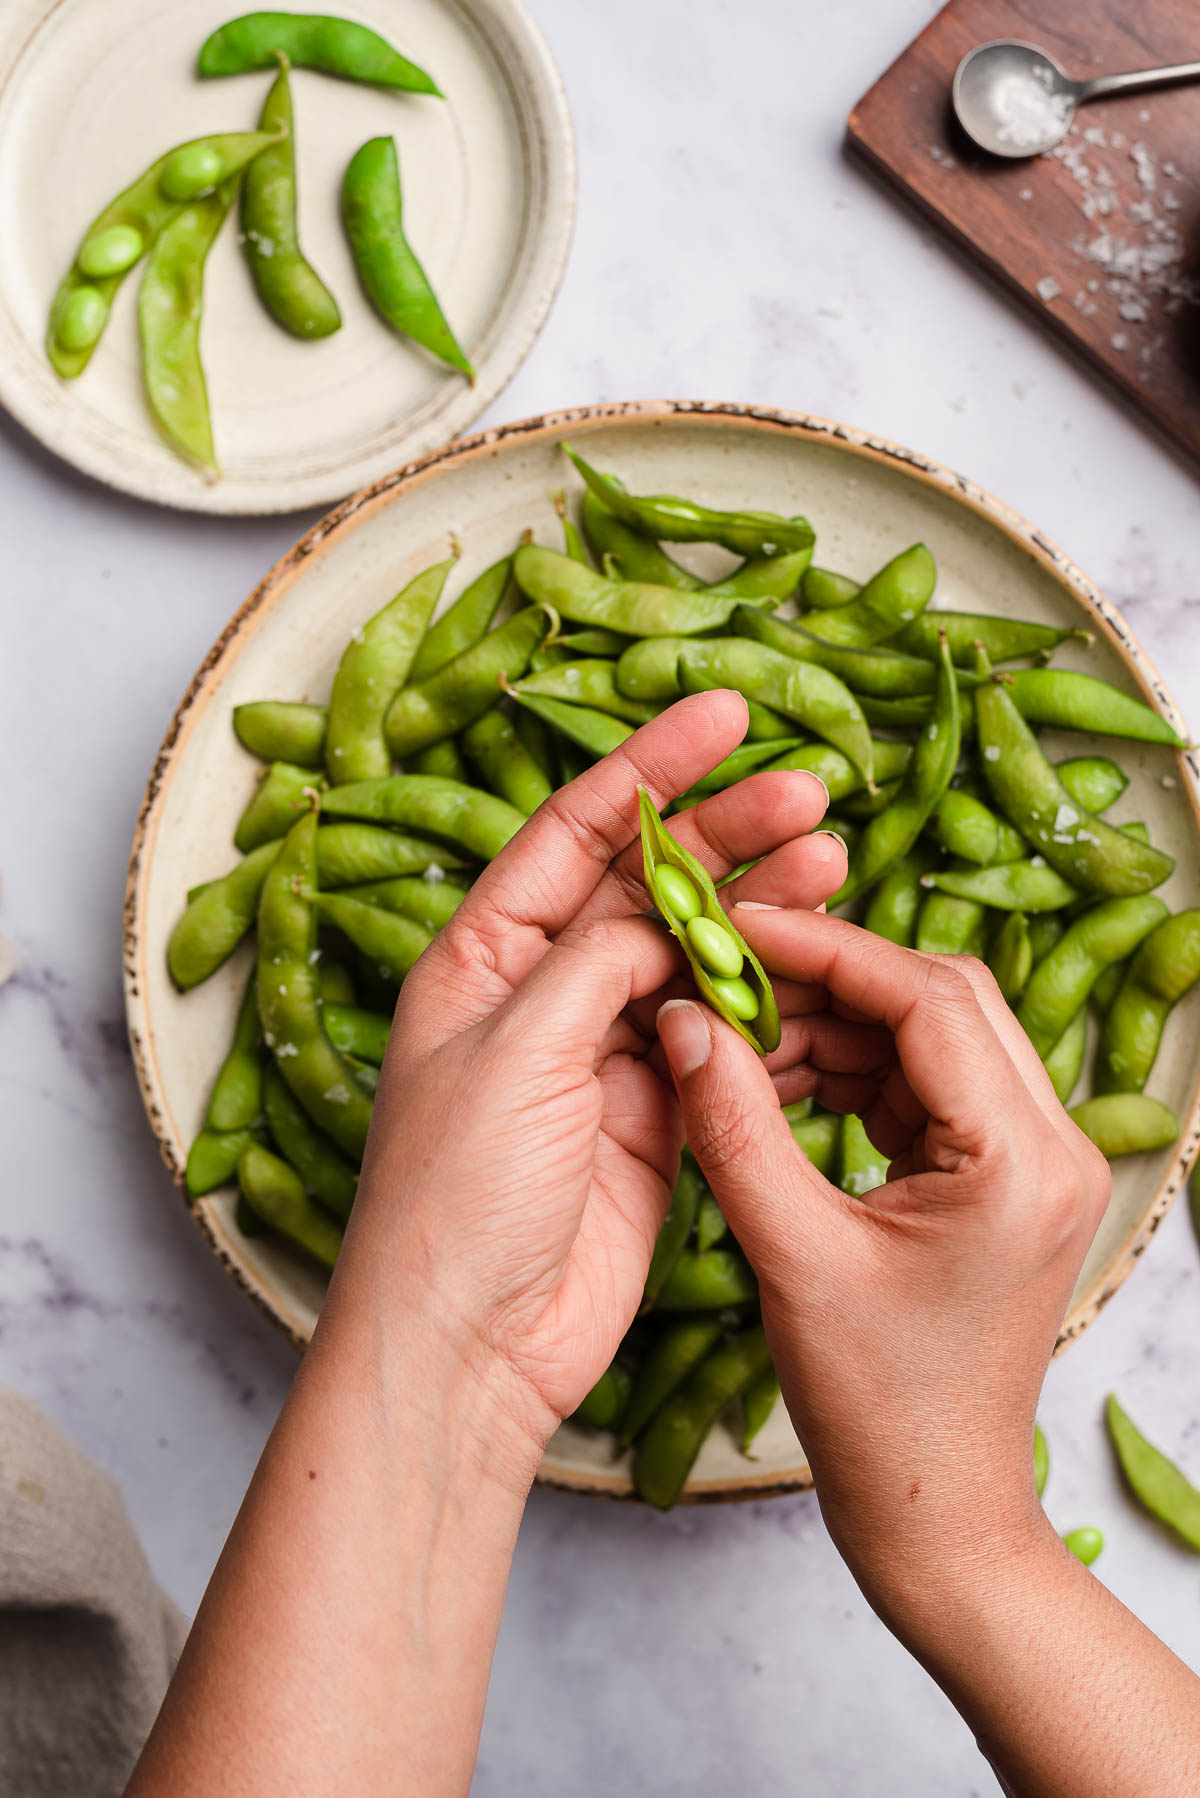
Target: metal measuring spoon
(1015,100)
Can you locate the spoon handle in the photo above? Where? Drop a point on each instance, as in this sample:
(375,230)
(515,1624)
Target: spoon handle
(1137,78)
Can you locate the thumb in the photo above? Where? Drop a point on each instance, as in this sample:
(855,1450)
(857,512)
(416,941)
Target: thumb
(772,1196)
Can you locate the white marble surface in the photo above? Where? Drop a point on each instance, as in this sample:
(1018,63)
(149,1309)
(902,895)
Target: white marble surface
(724,248)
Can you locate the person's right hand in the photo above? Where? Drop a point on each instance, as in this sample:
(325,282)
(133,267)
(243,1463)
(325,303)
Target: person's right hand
(911,1327)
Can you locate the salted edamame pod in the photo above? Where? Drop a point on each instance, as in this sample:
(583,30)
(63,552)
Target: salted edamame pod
(324,1171)
(671,1357)
(592,682)
(901,590)
(604,1406)
(1086,851)
(635,608)
(727,972)
(675,1228)
(374,666)
(281,795)
(477,823)
(1005,639)
(217,918)
(494,745)
(463,689)
(801,691)
(463,623)
(288,285)
(1060,984)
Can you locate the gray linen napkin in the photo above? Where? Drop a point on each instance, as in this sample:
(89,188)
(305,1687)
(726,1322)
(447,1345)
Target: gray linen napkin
(87,1640)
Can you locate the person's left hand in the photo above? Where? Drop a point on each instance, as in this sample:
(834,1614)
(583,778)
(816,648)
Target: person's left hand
(524,1148)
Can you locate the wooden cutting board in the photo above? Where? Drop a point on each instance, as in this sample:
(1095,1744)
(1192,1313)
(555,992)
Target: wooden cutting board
(1101,238)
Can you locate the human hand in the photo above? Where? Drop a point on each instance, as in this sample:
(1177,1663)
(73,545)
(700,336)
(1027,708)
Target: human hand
(524,1148)
(911,1327)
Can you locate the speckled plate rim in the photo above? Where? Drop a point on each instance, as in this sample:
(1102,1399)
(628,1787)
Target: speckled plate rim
(551,193)
(637,415)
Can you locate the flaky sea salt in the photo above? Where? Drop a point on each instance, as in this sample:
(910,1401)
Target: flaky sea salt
(1029,114)
(1048,288)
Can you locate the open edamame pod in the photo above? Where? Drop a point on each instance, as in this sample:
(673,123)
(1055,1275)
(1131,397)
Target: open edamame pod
(1165,968)
(170,307)
(393,279)
(671,520)
(728,974)
(1155,1482)
(334,46)
(121,235)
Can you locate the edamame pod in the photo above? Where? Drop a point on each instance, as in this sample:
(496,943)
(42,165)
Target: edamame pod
(716,1281)
(375,664)
(275,1193)
(671,1357)
(758,1402)
(588,682)
(392,942)
(237,1096)
(1165,968)
(1094,781)
(289,1002)
(672,520)
(217,919)
(140,212)
(636,557)
(392,277)
(705,931)
(863,1167)
(896,900)
(362,1034)
(597,733)
(801,691)
(1028,886)
(966,828)
(1070,701)
(324,1171)
(170,306)
(604,1406)
(213,1159)
(746,759)
(882,672)
(947,925)
(335,46)
(819,1139)
(283,793)
(478,823)
(464,689)
(1127,1123)
(1086,851)
(888,601)
(278,730)
(711,1227)
(675,1228)
(288,285)
(1155,1482)
(1059,985)
(632,607)
(926,778)
(1005,639)
(350,855)
(431,903)
(462,624)
(1064,1062)
(821,589)
(494,745)
(1011,956)
(670,1443)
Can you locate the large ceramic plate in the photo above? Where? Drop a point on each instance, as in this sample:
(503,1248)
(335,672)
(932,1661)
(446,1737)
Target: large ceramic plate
(91,91)
(866,499)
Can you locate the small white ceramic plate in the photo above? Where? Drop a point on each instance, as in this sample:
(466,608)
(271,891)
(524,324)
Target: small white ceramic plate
(866,499)
(91,91)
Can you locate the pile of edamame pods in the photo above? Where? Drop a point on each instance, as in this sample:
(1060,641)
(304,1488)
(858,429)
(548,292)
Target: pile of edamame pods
(442,735)
(172,214)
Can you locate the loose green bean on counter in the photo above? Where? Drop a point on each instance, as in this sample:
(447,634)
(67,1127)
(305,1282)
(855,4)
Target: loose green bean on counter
(373,813)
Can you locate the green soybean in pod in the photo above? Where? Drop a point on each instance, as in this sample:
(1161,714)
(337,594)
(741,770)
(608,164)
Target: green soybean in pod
(374,666)
(288,285)
(728,974)
(666,518)
(256,40)
(1165,968)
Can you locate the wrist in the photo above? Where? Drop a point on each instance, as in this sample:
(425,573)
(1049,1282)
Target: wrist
(389,1330)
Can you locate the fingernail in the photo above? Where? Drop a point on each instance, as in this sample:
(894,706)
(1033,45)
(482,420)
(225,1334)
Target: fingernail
(755,905)
(826,832)
(819,782)
(689,1041)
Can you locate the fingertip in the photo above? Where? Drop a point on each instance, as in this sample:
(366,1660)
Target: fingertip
(686,1037)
